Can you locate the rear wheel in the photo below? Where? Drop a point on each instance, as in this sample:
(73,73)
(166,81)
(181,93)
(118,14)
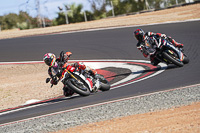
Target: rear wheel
(173,59)
(186,59)
(78,87)
(105,85)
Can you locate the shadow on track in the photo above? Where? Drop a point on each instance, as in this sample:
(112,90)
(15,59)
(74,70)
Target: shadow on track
(141,72)
(63,98)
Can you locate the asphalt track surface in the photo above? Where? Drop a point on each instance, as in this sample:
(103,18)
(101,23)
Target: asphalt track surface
(105,44)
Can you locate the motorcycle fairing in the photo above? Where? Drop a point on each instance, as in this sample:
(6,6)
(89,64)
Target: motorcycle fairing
(179,53)
(89,82)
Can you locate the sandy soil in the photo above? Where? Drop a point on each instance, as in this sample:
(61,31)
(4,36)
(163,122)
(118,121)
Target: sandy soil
(18,84)
(184,119)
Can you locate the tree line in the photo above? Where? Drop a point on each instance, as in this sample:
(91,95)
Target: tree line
(100,9)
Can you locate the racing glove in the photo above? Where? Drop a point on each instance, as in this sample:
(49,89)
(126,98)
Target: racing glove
(54,80)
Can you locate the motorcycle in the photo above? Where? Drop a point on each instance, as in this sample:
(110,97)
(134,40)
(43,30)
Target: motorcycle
(165,51)
(81,82)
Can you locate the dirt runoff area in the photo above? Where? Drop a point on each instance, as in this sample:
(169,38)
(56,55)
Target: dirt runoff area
(184,119)
(18,84)
(21,83)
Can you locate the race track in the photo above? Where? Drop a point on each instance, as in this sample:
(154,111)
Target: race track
(105,44)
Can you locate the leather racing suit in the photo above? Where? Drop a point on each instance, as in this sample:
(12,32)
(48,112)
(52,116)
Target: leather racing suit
(155,61)
(55,72)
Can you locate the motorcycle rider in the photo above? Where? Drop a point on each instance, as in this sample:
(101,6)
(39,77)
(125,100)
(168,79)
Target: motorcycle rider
(57,65)
(140,35)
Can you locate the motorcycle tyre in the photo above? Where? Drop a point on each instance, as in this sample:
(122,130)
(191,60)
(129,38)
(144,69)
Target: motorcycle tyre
(105,85)
(186,59)
(77,90)
(169,58)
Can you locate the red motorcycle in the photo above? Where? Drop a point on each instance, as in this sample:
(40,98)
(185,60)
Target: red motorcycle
(80,81)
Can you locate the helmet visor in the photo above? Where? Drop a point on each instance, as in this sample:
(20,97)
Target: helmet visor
(136,36)
(48,61)
(139,38)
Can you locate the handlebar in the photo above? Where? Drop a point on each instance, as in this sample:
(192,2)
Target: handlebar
(48,79)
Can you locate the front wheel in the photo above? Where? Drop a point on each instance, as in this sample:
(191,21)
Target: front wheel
(78,87)
(172,59)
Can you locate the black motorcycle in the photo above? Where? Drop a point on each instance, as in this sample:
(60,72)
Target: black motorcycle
(164,51)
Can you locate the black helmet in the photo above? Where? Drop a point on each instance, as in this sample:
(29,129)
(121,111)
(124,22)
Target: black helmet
(139,35)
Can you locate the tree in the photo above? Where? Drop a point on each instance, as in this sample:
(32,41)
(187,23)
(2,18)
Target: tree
(74,14)
(98,8)
(10,21)
(124,6)
(60,19)
(26,21)
(22,21)
(120,7)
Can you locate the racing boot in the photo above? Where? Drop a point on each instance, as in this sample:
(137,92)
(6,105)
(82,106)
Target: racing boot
(67,92)
(92,72)
(154,60)
(176,44)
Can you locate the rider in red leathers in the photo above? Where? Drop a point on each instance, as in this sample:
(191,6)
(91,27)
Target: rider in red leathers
(140,36)
(57,65)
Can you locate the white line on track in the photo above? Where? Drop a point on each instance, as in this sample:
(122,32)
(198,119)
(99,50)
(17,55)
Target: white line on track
(94,105)
(118,27)
(98,64)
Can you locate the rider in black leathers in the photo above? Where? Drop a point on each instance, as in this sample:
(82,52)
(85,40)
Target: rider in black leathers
(140,35)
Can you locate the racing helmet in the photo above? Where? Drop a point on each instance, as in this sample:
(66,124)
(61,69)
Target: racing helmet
(49,59)
(139,35)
